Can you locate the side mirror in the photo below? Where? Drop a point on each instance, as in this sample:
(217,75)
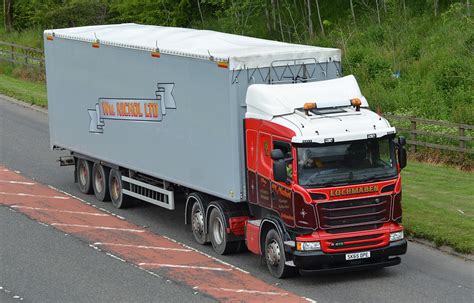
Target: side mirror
(402,141)
(402,153)
(402,157)
(279,170)
(277,154)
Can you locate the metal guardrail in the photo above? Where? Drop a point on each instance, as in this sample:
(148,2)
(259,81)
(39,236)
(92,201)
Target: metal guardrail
(22,55)
(414,132)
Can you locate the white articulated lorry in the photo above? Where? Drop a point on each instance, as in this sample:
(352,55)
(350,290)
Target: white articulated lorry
(272,147)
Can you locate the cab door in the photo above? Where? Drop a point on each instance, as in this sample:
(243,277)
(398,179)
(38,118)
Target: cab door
(281,192)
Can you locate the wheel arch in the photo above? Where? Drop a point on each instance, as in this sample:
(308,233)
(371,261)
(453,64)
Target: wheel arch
(267,224)
(202,199)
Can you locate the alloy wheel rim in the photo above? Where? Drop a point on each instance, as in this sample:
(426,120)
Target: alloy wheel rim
(99,181)
(83,174)
(198,223)
(218,230)
(273,253)
(115,188)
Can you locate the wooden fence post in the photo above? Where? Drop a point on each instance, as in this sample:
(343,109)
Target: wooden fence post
(462,142)
(413,132)
(13,55)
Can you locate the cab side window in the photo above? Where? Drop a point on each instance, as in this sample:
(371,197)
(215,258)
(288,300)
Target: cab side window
(285,147)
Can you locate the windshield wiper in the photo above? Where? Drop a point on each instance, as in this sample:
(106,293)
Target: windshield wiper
(332,181)
(379,177)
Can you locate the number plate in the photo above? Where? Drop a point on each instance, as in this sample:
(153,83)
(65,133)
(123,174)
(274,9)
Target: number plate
(359,255)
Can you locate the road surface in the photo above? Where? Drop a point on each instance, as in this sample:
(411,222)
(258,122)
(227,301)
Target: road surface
(39,263)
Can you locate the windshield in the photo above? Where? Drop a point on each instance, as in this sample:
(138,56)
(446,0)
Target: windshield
(346,163)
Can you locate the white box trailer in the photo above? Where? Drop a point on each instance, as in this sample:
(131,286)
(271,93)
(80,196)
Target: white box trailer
(167,102)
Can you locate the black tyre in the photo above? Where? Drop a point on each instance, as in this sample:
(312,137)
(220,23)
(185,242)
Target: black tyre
(275,256)
(197,218)
(100,182)
(119,200)
(84,176)
(218,234)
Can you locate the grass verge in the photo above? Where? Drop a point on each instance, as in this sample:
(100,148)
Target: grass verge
(438,205)
(34,93)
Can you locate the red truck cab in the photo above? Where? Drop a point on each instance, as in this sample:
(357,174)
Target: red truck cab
(325,203)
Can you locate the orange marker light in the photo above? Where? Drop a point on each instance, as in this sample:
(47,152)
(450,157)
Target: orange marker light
(49,38)
(155,54)
(299,246)
(95,45)
(309,105)
(223,64)
(356,102)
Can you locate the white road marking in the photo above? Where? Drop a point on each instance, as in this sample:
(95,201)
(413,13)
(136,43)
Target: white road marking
(115,257)
(248,291)
(185,266)
(143,246)
(149,272)
(17,182)
(16,297)
(82,200)
(209,256)
(100,227)
(61,211)
(36,196)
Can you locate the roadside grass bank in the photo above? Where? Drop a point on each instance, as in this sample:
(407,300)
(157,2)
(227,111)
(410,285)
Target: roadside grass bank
(31,92)
(438,205)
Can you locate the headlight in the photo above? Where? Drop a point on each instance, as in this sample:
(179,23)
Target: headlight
(396,236)
(308,246)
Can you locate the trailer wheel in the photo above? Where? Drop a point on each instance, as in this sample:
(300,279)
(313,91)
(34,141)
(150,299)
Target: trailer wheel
(100,182)
(218,235)
(275,256)
(119,200)
(197,219)
(84,176)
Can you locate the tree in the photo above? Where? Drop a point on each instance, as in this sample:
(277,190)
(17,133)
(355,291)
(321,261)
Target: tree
(310,22)
(352,12)
(319,17)
(200,11)
(378,10)
(8,14)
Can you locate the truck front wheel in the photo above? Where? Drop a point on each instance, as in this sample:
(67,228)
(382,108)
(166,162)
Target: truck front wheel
(84,176)
(100,182)
(218,235)
(119,200)
(275,256)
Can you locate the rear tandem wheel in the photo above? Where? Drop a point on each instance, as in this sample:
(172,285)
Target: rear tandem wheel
(100,182)
(119,200)
(84,176)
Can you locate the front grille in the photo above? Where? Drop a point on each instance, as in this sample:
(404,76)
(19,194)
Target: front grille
(360,241)
(353,228)
(353,213)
